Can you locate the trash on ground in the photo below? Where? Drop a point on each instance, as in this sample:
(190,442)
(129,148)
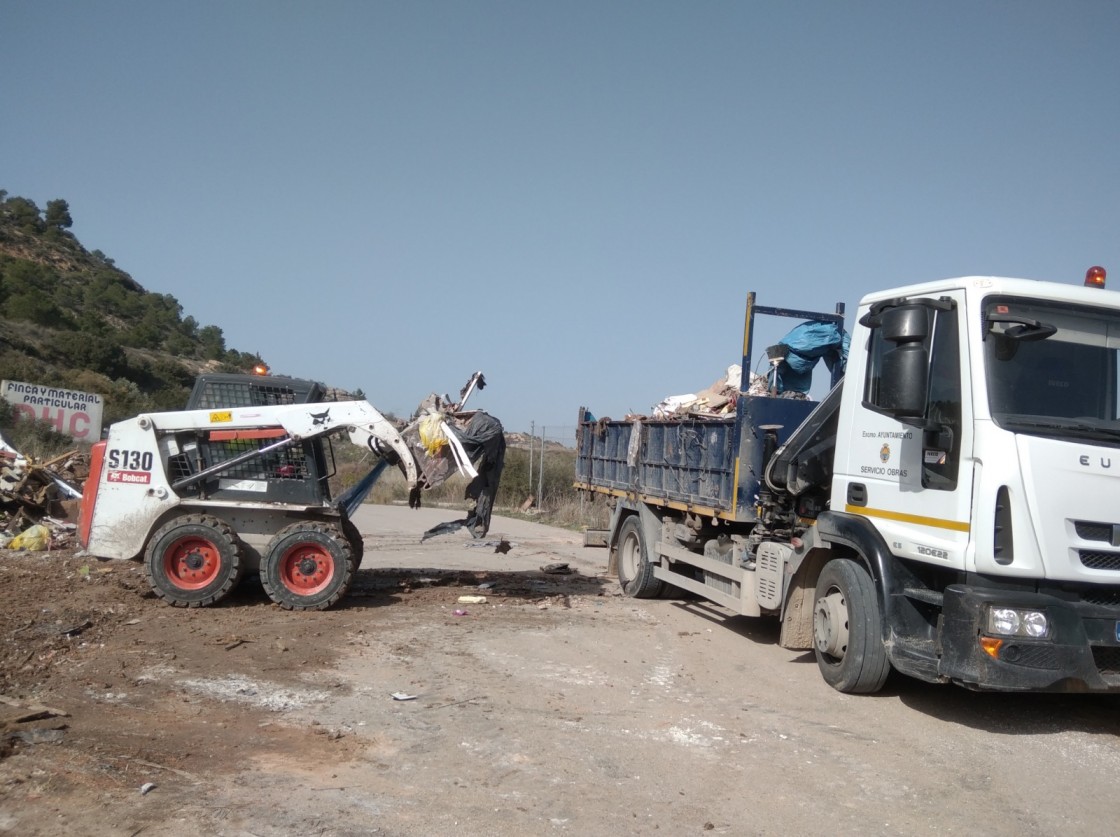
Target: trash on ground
(556,569)
(35,736)
(74,630)
(39,496)
(443,529)
(501,545)
(402,696)
(147,788)
(35,538)
(472,600)
(458,612)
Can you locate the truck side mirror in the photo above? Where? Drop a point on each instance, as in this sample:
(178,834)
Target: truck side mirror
(902,387)
(902,379)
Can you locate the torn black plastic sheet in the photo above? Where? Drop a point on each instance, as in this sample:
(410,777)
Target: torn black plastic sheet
(484,441)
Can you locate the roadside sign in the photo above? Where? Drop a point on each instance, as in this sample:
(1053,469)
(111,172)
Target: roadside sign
(73,413)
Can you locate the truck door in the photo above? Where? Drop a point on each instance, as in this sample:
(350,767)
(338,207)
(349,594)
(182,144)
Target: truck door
(909,442)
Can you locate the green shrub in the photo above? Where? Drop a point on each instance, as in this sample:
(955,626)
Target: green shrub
(34,438)
(92,351)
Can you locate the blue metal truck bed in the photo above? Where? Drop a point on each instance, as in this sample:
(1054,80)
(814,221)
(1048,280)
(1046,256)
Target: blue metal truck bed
(711,466)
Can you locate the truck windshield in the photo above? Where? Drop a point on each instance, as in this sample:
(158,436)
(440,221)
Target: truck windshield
(1052,368)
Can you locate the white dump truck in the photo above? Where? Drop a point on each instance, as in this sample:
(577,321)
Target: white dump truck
(951,509)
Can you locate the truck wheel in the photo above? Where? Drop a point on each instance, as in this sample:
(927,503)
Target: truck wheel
(193,561)
(308,566)
(847,632)
(635,572)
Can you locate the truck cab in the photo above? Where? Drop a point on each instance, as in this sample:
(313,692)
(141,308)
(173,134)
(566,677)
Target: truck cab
(980,419)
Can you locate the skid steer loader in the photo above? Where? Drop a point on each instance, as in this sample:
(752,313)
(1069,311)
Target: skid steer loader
(240,483)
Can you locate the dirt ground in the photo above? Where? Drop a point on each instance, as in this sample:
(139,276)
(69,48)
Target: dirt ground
(555,706)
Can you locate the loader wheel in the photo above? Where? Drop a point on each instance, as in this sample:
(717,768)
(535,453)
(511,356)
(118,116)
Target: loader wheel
(635,572)
(193,561)
(308,566)
(355,539)
(847,631)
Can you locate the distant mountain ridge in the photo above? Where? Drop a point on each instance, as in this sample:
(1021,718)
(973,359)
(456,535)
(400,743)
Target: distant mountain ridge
(70,318)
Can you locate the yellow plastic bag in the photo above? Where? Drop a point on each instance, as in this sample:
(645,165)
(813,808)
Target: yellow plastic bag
(432,435)
(35,539)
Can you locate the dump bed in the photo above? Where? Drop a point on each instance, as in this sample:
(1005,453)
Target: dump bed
(709,465)
(712,466)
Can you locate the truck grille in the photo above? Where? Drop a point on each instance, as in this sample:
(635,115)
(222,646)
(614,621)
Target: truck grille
(1090,531)
(1103,596)
(1107,660)
(1034,656)
(1099,560)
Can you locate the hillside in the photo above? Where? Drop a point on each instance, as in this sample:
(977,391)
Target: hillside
(70,318)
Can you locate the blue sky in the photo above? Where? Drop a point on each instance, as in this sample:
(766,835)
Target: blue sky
(574,197)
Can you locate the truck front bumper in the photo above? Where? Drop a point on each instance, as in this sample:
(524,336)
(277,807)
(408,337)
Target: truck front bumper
(1080,654)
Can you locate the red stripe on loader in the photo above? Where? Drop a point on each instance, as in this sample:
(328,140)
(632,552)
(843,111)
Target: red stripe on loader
(89,493)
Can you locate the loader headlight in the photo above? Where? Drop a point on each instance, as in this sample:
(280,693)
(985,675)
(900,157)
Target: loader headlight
(1019,622)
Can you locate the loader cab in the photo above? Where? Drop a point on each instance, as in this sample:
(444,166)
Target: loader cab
(294,475)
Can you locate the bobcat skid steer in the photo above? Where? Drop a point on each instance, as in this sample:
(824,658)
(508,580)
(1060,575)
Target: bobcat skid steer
(202,495)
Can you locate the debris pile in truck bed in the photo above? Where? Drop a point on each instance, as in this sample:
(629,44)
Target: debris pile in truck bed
(717,400)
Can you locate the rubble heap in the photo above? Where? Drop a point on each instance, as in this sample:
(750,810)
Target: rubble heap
(717,400)
(40,494)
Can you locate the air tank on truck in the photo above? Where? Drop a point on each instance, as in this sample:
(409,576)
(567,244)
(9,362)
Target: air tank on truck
(949,510)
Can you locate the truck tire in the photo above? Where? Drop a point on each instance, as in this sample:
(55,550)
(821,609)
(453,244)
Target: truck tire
(847,630)
(193,561)
(635,572)
(308,566)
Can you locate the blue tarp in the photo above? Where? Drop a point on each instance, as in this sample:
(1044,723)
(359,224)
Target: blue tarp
(809,343)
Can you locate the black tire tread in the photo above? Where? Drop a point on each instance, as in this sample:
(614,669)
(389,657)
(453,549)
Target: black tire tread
(865,665)
(232,576)
(644,584)
(345,568)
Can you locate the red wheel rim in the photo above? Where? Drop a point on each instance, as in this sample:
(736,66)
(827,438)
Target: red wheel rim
(306,568)
(192,563)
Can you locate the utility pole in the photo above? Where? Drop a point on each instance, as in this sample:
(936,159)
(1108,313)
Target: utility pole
(540,473)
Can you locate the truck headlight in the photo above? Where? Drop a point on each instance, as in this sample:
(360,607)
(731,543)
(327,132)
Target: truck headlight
(1013,621)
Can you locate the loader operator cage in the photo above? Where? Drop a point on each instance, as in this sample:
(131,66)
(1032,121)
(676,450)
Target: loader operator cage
(296,474)
(214,391)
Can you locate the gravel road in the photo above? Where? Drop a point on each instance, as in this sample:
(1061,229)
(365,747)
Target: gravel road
(556,706)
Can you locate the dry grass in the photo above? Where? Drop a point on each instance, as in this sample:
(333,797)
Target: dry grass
(559,503)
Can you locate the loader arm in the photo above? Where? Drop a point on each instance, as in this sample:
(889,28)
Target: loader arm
(366,427)
(380,437)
